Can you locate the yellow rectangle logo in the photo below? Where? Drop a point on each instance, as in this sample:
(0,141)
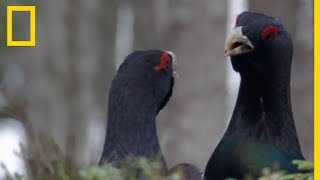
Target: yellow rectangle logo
(32,10)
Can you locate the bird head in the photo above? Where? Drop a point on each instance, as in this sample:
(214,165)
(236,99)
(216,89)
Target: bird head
(259,46)
(149,74)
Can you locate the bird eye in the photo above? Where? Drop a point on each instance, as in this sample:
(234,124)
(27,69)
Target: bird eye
(164,61)
(269,32)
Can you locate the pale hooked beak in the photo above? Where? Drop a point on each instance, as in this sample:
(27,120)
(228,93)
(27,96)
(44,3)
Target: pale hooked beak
(174,63)
(236,43)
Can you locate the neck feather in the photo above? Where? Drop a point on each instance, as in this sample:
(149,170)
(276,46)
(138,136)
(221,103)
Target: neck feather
(131,129)
(263,112)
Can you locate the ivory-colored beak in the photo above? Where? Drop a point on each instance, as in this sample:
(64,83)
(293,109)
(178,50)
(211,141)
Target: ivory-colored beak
(174,63)
(236,43)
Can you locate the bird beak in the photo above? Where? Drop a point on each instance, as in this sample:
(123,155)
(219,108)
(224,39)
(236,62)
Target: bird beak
(174,64)
(236,43)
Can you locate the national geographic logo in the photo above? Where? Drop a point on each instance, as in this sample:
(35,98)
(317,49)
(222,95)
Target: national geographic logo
(32,36)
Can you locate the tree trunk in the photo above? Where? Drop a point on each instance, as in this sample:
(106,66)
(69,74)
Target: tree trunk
(70,71)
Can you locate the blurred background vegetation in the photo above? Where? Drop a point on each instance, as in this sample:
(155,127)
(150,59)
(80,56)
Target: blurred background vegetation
(64,80)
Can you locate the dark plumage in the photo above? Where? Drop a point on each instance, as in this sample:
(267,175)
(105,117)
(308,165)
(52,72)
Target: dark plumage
(141,88)
(261,132)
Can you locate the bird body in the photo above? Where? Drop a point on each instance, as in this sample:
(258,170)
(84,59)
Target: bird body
(238,156)
(141,88)
(261,132)
(127,136)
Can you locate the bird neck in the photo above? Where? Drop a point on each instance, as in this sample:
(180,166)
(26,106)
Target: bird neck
(263,112)
(131,129)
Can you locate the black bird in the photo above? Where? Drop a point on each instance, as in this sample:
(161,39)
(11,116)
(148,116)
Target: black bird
(261,132)
(141,88)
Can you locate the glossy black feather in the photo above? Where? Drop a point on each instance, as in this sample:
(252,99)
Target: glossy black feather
(138,92)
(261,132)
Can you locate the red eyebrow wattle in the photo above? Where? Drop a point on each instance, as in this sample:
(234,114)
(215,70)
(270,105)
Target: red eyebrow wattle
(164,60)
(270,30)
(237,18)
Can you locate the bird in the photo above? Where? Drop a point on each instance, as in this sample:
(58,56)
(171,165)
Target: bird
(140,90)
(261,132)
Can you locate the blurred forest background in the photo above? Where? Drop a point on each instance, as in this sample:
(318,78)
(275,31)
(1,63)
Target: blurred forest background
(64,80)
